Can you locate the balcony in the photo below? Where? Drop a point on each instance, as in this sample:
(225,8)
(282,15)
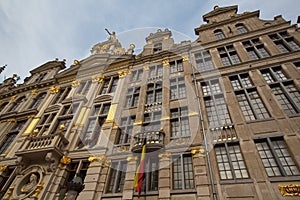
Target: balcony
(154,141)
(39,146)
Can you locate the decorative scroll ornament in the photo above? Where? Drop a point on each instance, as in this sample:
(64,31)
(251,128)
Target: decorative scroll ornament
(3,168)
(98,79)
(185,58)
(166,62)
(289,190)
(99,158)
(197,152)
(123,73)
(75,83)
(38,190)
(54,89)
(132,159)
(13,97)
(164,156)
(65,160)
(34,92)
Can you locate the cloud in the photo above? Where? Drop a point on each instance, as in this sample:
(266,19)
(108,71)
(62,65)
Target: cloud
(33,32)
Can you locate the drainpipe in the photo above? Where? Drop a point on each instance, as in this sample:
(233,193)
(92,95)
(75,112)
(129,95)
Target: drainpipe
(211,177)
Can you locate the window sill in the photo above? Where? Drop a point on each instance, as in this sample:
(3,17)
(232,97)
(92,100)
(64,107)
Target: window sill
(112,195)
(284,179)
(259,120)
(183,191)
(236,181)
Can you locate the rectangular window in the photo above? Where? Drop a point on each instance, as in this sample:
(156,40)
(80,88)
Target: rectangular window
(204,61)
(7,177)
(116,177)
(109,85)
(179,123)
(183,175)
(150,182)
(176,66)
(92,131)
(283,88)
(137,75)
(230,161)
(84,87)
(276,157)
(255,49)
(154,92)
(76,168)
(177,88)
(132,97)
(248,98)
(228,55)
(126,128)
(157,47)
(45,122)
(152,121)
(284,42)
(215,105)
(156,71)
(61,95)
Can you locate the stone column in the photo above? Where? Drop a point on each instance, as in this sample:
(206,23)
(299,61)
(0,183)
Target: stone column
(164,184)
(201,174)
(95,178)
(129,178)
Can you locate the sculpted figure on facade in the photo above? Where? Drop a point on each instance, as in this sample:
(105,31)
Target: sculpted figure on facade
(30,185)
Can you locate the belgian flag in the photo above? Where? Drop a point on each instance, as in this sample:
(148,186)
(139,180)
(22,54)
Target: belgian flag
(139,175)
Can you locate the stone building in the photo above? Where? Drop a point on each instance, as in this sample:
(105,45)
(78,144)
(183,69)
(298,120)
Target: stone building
(220,117)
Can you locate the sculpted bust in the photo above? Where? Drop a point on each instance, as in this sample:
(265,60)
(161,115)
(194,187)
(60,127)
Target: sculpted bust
(29,186)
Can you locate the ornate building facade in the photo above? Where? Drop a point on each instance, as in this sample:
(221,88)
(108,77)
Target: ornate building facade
(220,117)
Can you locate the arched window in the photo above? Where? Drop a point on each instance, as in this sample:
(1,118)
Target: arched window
(219,34)
(38,100)
(241,28)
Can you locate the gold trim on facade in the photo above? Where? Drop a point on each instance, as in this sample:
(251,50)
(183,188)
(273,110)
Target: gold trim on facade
(99,158)
(98,79)
(13,97)
(165,156)
(289,190)
(185,58)
(123,73)
(166,62)
(76,83)
(131,159)
(65,160)
(138,122)
(197,152)
(34,92)
(54,89)
(3,168)
(146,67)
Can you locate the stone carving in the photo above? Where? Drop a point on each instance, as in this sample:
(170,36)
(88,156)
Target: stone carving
(51,162)
(30,185)
(111,46)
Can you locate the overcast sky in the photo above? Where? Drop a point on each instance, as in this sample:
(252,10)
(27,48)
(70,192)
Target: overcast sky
(33,32)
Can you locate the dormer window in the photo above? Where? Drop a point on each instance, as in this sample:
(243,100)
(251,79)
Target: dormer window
(219,34)
(241,28)
(40,77)
(157,47)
